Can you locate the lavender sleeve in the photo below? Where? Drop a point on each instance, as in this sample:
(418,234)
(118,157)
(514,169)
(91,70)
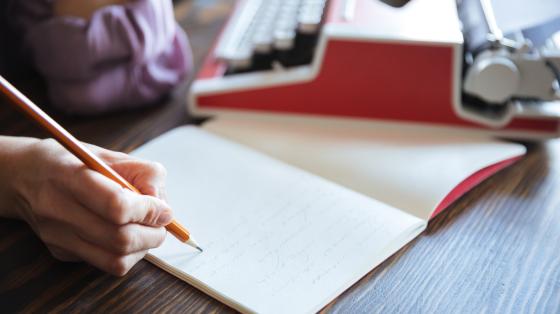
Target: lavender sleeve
(124,56)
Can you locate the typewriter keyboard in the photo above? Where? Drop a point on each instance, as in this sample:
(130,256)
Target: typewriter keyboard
(263,33)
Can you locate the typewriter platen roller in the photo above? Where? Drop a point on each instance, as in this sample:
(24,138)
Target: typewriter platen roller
(511,58)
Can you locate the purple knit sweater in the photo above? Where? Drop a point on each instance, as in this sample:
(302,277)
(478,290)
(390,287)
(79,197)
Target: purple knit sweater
(125,56)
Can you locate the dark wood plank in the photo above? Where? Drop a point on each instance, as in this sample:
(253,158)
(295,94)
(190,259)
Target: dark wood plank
(496,250)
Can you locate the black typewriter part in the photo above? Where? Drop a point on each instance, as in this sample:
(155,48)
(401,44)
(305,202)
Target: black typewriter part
(479,107)
(554,69)
(395,3)
(301,53)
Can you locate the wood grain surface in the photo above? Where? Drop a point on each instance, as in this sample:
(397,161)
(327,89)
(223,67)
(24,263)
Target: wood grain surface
(497,250)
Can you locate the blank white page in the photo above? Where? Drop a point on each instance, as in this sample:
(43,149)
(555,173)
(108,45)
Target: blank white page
(276,239)
(411,168)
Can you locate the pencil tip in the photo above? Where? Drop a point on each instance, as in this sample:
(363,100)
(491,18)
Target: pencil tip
(193,244)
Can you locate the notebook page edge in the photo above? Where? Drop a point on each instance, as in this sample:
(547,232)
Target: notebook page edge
(197,284)
(398,243)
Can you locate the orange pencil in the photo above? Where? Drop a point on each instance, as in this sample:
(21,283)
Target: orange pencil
(75,147)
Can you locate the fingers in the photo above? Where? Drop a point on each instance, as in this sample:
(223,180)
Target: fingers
(122,240)
(133,238)
(103,196)
(148,177)
(63,240)
(116,204)
(118,239)
(125,239)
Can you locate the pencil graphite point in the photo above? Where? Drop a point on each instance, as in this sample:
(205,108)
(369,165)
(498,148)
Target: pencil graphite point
(193,244)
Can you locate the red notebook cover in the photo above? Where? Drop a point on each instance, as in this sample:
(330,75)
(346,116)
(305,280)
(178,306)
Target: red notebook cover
(472,181)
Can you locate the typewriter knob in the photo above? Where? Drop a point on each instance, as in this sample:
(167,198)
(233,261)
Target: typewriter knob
(493,78)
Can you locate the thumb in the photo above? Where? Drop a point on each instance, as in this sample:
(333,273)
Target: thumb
(150,211)
(147,177)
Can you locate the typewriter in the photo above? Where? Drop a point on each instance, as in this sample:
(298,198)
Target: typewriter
(474,64)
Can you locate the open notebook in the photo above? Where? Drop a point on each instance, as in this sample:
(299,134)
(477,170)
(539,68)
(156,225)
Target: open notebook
(276,238)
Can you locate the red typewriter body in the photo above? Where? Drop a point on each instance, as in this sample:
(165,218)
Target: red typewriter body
(371,61)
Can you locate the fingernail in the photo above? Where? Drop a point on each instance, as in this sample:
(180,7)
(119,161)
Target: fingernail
(165,218)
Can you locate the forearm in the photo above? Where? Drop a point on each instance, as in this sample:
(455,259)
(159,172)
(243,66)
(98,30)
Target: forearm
(12,150)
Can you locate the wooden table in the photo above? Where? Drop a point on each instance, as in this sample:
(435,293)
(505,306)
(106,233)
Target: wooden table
(496,250)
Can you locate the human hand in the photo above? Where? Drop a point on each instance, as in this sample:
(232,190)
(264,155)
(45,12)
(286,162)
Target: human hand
(81,8)
(82,215)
